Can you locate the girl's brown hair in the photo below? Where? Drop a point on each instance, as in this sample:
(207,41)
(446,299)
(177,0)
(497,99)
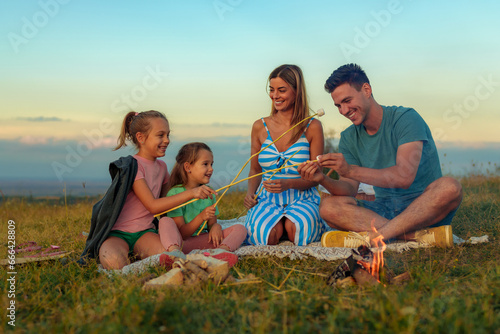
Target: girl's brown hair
(136,122)
(188,153)
(292,75)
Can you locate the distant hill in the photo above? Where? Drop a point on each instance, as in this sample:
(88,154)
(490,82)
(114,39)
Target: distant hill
(52,188)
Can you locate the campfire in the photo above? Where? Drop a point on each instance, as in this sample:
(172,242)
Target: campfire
(364,268)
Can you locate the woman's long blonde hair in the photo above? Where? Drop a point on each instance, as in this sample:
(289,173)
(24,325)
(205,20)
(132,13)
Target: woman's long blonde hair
(292,75)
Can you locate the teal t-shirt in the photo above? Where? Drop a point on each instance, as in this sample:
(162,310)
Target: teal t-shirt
(190,211)
(399,126)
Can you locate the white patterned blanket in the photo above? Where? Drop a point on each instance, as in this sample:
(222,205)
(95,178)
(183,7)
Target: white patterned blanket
(287,249)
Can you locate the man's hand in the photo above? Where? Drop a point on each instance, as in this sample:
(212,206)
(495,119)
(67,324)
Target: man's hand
(335,161)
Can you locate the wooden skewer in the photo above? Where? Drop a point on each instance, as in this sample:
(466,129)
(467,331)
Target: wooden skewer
(235,183)
(259,174)
(249,159)
(284,164)
(320,112)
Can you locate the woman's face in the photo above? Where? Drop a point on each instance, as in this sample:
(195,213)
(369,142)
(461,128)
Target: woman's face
(282,95)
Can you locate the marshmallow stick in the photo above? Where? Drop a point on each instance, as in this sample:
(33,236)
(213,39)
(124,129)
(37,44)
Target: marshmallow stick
(284,164)
(319,113)
(257,194)
(232,184)
(259,174)
(235,183)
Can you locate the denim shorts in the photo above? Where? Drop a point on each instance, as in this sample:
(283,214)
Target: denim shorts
(392,207)
(130,238)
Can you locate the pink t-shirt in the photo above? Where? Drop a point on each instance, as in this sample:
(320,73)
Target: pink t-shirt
(134,216)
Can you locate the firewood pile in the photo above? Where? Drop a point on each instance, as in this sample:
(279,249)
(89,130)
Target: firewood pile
(197,268)
(363,268)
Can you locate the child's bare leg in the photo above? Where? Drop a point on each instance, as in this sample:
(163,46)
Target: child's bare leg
(113,253)
(148,244)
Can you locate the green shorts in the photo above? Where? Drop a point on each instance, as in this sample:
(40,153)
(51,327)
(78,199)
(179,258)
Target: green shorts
(130,238)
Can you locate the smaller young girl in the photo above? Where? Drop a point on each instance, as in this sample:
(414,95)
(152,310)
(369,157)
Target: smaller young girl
(122,221)
(193,168)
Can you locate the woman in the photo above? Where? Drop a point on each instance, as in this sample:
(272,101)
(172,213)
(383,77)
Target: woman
(284,204)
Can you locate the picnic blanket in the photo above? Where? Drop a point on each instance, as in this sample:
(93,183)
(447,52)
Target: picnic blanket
(288,249)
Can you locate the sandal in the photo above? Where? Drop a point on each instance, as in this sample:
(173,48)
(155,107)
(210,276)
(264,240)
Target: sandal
(29,246)
(46,252)
(167,259)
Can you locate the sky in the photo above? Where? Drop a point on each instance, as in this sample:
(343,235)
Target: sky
(71,69)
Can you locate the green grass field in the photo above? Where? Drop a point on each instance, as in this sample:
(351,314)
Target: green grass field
(453,290)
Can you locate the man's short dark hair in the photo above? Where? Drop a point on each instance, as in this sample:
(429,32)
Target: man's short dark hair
(350,73)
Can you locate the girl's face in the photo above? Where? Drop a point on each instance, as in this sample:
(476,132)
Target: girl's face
(281,94)
(200,171)
(156,142)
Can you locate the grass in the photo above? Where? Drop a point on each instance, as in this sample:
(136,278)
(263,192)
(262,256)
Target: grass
(451,291)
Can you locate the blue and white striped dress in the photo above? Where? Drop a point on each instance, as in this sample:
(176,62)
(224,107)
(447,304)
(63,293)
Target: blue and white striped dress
(300,206)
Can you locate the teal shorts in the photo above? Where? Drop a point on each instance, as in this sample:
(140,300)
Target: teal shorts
(392,207)
(130,238)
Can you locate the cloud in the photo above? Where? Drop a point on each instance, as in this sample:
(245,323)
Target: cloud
(41,119)
(189,131)
(32,140)
(215,124)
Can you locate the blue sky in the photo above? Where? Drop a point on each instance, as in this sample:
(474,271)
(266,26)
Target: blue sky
(71,69)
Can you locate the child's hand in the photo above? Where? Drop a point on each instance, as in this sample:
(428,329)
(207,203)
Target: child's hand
(203,192)
(208,213)
(215,235)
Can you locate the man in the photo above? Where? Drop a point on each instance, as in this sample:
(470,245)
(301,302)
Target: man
(392,149)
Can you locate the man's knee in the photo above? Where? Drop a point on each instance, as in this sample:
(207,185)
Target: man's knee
(450,190)
(331,207)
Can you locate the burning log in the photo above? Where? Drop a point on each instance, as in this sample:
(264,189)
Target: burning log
(400,279)
(364,278)
(363,268)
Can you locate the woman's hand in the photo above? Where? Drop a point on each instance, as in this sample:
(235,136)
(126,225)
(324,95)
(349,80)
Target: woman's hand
(215,235)
(311,171)
(276,186)
(203,192)
(249,201)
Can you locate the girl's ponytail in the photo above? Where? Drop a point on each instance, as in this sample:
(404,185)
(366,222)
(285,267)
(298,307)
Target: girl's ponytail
(125,131)
(136,122)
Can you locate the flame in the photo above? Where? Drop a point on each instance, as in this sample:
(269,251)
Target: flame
(378,255)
